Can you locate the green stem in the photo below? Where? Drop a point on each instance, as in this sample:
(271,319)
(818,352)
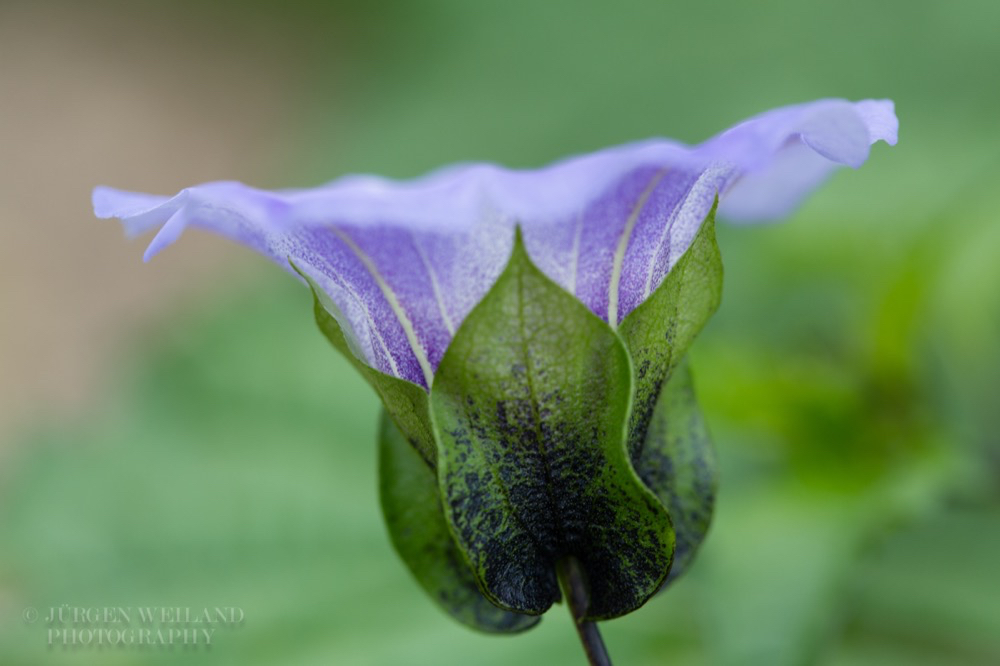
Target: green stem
(574,590)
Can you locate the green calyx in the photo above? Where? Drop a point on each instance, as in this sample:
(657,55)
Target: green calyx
(530,405)
(548,435)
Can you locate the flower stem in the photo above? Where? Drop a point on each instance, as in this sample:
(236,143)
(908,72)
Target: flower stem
(574,590)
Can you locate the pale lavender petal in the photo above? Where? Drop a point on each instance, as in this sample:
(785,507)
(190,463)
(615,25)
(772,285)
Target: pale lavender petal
(403,263)
(879,116)
(138,212)
(819,137)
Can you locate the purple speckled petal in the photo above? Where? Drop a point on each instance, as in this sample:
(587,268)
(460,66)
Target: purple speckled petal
(405,262)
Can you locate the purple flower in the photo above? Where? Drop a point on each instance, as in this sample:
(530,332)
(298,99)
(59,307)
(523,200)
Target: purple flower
(403,263)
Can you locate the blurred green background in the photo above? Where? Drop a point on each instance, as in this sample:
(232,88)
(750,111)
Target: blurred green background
(218,453)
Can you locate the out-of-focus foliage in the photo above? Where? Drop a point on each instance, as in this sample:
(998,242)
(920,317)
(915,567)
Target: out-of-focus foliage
(849,378)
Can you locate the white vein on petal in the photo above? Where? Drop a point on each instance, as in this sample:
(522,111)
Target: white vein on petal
(390,296)
(575,254)
(362,351)
(372,327)
(697,203)
(435,286)
(668,229)
(619,258)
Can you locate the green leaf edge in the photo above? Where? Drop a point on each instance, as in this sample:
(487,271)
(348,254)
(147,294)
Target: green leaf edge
(407,403)
(687,483)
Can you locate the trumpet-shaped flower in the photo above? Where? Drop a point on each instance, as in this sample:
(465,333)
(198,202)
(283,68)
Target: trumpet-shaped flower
(525,331)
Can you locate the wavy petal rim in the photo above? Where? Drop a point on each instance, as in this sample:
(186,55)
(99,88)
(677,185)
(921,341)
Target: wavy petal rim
(405,261)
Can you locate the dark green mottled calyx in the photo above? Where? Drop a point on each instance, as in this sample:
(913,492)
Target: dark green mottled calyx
(414,517)
(530,405)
